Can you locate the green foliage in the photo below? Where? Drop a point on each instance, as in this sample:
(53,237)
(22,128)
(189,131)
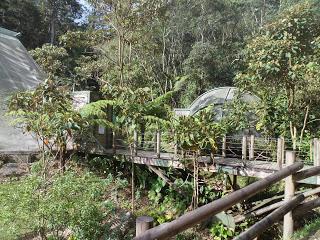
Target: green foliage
(48,114)
(167,201)
(51,59)
(200,131)
(281,69)
(220,232)
(71,201)
(24,17)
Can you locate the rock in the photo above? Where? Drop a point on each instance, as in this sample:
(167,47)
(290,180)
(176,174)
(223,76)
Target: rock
(13,170)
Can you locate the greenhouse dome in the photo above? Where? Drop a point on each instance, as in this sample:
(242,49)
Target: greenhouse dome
(18,71)
(217,97)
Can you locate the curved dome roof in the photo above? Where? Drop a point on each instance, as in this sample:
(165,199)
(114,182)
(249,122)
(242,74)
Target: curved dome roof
(18,71)
(216,96)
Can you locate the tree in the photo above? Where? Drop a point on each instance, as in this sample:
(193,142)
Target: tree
(60,16)
(282,68)
(47,113)
(23,17)
(52,60)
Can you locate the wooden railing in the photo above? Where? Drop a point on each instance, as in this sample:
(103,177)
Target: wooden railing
(289,173)
(250,147)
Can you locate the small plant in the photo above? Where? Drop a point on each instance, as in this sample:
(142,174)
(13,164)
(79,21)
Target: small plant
(168,201)
(221,232)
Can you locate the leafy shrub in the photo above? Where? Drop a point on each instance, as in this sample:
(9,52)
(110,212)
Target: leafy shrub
(221,232)
(73,201)
(170,203)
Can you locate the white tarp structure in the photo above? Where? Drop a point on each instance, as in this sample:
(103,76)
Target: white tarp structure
(217,97)
(18,71)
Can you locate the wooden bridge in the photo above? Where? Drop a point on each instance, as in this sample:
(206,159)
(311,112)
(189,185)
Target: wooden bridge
(237,155)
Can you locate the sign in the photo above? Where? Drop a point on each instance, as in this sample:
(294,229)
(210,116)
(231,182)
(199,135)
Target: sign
(80,99)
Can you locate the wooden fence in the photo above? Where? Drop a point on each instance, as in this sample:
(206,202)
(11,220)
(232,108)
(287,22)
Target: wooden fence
(248,147)
(292,205)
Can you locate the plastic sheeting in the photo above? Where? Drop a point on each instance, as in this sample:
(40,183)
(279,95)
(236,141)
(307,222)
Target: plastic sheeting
(217,97)
(18,71)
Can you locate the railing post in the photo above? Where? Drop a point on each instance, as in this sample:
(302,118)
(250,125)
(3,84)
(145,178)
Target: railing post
(224,146)
(158,143)
(114,142)
(251,149)
(280,152)
(289,191)
(135,142)
(143,224)
(175,149)
(244,147)
(316,154)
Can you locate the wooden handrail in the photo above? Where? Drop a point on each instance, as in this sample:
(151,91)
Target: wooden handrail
(202,213)
(273,217)
(306,173)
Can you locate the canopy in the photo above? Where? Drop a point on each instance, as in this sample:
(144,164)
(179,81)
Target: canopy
(18,71)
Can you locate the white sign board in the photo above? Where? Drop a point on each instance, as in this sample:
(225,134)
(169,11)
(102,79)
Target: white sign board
(80,99)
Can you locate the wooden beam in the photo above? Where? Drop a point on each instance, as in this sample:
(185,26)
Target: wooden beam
(244,148)
(251,148)
(143,223)
(306,173)
(289,190)
(200,214)
(272,218)
(224,146)
(316,152)
(135,142)
(280,152)
(158,144)
(307,206)
(114,151)
(261,211)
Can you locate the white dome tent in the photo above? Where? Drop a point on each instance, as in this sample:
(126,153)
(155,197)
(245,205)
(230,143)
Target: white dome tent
(217,97)
(18,71)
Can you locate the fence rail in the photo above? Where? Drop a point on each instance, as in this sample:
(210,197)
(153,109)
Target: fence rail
(285,210)
(246,148)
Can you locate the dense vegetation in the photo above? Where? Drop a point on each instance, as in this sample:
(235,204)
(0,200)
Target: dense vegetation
(143,58)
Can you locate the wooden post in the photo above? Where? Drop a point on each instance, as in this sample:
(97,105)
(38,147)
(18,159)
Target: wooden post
(143,223)
(234,183)
(135,142)
(251,149)
(244,147)
(202,213)
(316,153)
(288,195)
(175,149)
(158,144)
(280,152)
(114,142)
(224,146)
